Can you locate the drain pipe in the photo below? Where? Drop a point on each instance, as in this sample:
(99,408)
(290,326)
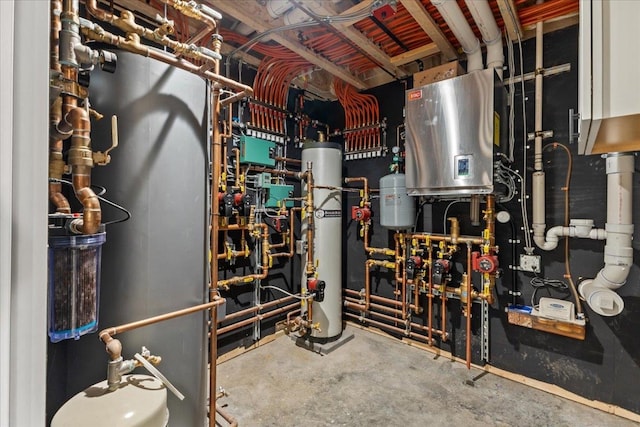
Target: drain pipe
(453,16)
(618,252)
(491,34)
(538,178)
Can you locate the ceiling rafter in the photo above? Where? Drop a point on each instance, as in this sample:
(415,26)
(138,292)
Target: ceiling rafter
(359,39)
(426,22)
(510,18)
(415,54)
(250,16)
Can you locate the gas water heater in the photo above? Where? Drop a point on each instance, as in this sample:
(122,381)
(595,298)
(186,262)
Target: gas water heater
(325,159)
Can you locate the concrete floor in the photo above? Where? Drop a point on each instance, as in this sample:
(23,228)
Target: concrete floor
(376,381)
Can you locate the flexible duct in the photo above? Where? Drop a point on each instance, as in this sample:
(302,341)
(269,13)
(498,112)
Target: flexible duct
(618,252)
(491,34)
(455,19)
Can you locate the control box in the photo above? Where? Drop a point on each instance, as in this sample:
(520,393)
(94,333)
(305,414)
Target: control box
(257,151)
(277,193)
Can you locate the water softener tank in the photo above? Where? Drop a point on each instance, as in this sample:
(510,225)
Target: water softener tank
(140,401)
(397,209)
(326,166)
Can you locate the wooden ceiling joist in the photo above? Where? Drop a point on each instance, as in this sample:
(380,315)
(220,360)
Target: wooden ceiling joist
(510,18)
(429,26)
(358,39)
(245,15)
(415,54)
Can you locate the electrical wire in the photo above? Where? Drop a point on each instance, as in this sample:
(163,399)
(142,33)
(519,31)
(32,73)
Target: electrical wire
(285,292)
(523,195)
(99,196)
(446,211)
(543,283)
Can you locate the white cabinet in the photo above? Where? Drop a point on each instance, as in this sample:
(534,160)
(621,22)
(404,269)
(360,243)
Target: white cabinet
(609,79)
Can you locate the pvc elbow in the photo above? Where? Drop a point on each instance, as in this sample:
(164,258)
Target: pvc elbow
(550,242)
(599,292)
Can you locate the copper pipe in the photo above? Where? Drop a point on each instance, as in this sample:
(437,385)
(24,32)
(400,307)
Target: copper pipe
(126,22)
(224,284)
(108,333)
(490,219)
(444,238)
(443,311)
(216,154)
(289,160)
(376,298)
(256,308)
(277,172)
(257,318)
(308,175)
(227,417)
(430,293)
(81,162)
(56,162)
(132,44)
(291,238)
(357,306)
(367,276)
(370,250)
(469,302)
(376,323)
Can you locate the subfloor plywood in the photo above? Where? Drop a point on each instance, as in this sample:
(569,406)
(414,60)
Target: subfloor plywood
(376,381)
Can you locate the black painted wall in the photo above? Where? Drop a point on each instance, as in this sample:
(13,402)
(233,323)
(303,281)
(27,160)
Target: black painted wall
(605,366)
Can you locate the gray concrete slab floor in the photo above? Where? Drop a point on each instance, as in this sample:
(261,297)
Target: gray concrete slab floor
(376,381)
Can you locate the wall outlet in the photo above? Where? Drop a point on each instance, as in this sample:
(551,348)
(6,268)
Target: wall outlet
(530,263)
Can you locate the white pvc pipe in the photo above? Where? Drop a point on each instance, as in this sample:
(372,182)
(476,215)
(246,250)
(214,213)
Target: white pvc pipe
(277,8)
(491,34)
(538,178)
(455,19)
(582,228)
(618,252)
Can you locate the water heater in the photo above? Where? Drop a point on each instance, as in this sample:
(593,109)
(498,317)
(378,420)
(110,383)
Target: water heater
(326,166)
(454,129)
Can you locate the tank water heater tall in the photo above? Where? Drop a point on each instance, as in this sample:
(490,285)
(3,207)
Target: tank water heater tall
(326,166)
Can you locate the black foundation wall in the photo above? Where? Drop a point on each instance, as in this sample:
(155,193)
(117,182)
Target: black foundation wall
(603,367)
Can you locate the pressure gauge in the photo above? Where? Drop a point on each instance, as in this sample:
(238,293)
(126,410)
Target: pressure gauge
(395,149)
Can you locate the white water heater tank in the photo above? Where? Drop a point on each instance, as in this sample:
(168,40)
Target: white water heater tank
(140,401)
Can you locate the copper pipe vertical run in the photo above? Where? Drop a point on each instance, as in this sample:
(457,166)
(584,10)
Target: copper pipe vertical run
(56,162)
(216,154)
(469,307)
(308,175)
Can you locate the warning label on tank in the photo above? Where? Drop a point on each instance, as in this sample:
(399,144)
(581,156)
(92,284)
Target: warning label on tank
(333,213)
(415,95)
(391,200)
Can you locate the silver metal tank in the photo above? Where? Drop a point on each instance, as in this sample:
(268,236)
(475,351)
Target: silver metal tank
(397,209)
(157,261)
(326,165)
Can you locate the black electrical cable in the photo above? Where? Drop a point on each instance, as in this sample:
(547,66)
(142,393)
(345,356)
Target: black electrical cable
(103,190)
(543,283)
(388,32)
